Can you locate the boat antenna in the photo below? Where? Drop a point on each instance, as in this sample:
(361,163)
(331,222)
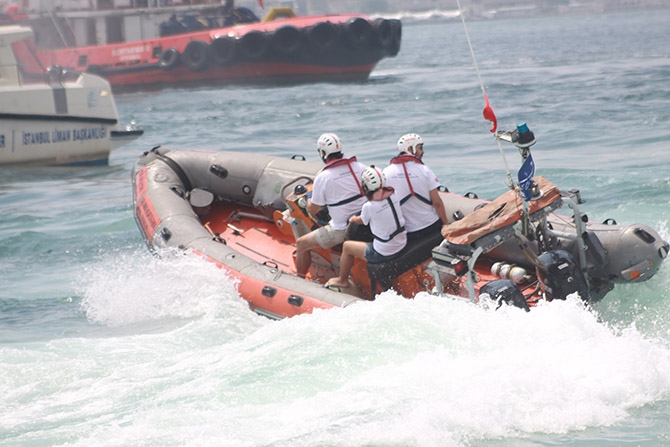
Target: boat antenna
(488,113)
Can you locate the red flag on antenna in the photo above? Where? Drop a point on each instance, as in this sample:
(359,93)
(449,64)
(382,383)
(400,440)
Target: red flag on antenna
(260,3)
(489,114)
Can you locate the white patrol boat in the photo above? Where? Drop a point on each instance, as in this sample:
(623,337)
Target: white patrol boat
(60,120)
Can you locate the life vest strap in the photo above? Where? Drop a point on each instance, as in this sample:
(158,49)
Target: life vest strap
(418,196)
(348,162)
(402,160)
(345,201)
(399,229)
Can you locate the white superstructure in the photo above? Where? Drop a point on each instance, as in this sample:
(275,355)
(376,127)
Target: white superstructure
(56,120)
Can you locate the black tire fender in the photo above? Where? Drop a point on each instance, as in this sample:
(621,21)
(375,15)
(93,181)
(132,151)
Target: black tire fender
(223,50)
(169,59)
(358,33)
(253,45)
(287,40)
(383,33)
(323,35)
(196,55)
(396,28)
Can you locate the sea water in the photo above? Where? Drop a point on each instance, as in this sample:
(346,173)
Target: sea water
(103,344)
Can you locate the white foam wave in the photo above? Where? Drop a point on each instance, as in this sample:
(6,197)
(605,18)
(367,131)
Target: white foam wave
(433,15)
(429,371)
(663,230)
(128,288)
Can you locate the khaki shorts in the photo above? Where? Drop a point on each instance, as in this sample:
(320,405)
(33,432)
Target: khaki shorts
(326,237)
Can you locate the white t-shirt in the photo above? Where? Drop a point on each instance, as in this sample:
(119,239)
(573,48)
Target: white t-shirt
(335,184)
(418,214)
(379,215)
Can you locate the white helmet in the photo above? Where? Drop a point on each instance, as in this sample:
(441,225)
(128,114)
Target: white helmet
(328,143)
(373,179)
(409,140)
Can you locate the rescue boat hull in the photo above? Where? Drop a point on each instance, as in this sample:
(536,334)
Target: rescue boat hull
(250,226)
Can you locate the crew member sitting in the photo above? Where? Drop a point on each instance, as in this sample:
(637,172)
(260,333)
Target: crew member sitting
(382,212)
(416,186)
(338,187)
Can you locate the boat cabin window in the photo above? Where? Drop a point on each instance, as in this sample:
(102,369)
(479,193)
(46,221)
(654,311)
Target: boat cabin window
(114,26)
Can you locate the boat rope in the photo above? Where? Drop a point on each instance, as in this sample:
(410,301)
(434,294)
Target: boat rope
(488,110)
(176,169)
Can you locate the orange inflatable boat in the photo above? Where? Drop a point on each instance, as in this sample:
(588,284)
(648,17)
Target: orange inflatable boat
(244,213)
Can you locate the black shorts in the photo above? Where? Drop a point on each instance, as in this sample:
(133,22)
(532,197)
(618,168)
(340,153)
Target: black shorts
(373,257)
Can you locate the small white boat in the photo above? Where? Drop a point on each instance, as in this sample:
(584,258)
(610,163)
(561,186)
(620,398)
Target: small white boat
(61,120)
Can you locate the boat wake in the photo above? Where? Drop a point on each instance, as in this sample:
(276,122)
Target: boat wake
(423,371)
(433,15)
(137,287)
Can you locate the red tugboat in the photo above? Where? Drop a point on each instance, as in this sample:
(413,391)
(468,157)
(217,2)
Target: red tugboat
(149,47)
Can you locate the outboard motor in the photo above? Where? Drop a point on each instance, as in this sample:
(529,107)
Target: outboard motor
(505,291)
(560,276)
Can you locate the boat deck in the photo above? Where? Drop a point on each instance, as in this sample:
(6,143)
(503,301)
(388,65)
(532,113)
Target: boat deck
(253,235)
